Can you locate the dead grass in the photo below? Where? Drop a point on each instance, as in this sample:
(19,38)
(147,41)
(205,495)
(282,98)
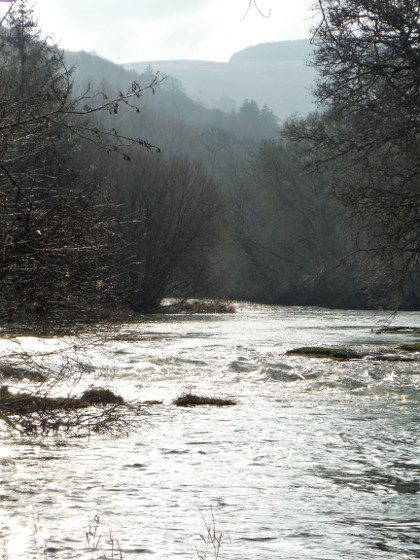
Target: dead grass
(24,403)
(189,399)
(103,544)
(201,306)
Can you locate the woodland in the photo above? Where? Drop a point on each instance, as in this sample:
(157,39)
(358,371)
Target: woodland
(117,190)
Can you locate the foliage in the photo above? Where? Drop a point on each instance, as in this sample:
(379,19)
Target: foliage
(219,213)
(38,409)
(290,230)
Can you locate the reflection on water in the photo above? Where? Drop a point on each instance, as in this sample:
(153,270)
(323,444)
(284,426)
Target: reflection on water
(319,459)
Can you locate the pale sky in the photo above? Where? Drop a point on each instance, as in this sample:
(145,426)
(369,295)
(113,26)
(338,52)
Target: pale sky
(137,30)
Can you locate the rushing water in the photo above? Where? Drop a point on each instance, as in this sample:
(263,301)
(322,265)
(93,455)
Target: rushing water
(319,459)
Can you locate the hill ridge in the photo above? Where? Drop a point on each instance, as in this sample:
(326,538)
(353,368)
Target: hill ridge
(274,74)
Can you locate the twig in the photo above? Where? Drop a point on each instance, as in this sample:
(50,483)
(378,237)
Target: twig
(254,2)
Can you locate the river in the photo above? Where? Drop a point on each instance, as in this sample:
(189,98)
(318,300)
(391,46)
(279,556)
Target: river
(318,459)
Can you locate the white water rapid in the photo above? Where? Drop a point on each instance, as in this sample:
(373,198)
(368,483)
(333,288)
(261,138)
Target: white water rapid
(319,459)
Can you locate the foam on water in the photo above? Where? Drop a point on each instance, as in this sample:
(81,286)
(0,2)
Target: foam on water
(319,459)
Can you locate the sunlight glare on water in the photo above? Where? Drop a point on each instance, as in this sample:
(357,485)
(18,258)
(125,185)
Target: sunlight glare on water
(319,458)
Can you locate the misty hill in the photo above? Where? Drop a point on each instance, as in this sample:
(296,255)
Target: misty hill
(273,74)
(89,67)
(279,51)
(169,109)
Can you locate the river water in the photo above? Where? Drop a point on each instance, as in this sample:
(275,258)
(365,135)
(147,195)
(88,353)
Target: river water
(318,459)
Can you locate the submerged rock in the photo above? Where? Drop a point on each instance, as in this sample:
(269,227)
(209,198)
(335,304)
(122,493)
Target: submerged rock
(392,330)
(341,354)
(394,358)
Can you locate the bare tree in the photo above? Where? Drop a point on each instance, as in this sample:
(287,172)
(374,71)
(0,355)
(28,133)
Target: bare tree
(216,142)
(51,212)
(174,217)
(40,393)
(368,58)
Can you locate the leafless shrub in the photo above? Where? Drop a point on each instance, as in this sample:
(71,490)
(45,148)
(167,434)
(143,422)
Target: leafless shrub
(48,400)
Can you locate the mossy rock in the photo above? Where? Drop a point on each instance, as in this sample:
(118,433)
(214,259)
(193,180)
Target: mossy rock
(195,400)
(340,354)
(411,347)
(101,396)
(4,393)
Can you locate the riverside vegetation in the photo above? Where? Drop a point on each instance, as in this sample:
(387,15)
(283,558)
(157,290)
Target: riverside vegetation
(104,215)
(74,235)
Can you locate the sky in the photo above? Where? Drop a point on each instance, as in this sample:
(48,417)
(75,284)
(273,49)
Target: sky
(143,30)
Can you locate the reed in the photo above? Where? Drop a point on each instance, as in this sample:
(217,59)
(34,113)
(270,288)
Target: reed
(200,306)
(108,547)
(189,399)
(211,539)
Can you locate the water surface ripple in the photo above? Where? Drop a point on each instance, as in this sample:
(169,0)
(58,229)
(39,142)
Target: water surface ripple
(319,459)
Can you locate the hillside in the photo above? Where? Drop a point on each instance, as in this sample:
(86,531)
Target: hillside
(273,74)
(279,51)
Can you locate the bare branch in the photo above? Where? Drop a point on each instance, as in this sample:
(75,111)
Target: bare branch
(254,3)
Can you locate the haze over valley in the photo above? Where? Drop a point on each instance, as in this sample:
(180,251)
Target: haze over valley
(284,237)
(196,248)
(274,74)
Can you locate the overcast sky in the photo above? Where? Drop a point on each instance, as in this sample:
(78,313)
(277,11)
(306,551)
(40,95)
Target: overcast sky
(136,30)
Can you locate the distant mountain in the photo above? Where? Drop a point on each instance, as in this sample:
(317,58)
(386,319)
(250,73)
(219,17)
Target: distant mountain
(272,74)
(280,51)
